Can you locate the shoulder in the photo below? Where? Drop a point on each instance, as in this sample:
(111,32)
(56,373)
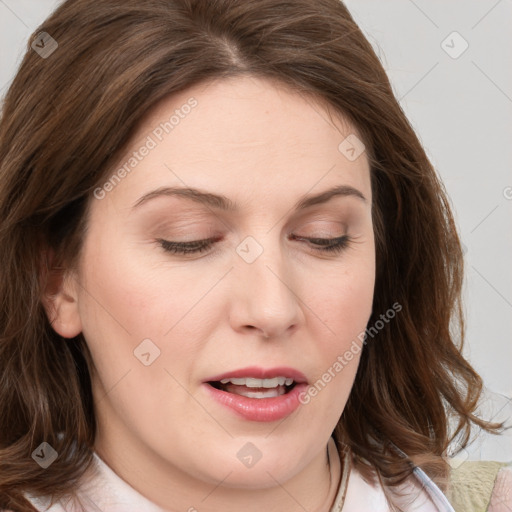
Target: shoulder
(481,485)
(417,494)
(43,503)
(100,488)
(501,499)
(29,503)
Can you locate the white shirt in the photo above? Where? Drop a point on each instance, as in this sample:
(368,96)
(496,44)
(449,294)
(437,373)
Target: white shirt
(107,492)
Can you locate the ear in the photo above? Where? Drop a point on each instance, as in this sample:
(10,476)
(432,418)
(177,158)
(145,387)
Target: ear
(60,298)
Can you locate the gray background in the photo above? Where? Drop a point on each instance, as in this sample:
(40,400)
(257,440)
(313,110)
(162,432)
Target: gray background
(460,104)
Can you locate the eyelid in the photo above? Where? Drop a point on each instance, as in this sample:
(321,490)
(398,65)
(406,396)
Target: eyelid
(321,245)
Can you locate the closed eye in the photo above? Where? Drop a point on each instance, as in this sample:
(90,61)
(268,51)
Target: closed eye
(325,245)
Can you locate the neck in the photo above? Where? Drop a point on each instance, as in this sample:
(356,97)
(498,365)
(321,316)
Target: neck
(313,488)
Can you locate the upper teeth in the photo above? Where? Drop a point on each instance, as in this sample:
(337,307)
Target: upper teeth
(259,383)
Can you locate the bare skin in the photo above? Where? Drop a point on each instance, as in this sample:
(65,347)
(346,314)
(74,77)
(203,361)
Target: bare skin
(264,147)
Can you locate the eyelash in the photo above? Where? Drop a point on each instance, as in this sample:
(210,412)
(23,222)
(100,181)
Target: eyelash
(327,245)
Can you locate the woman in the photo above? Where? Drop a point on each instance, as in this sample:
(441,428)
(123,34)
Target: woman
(229,269)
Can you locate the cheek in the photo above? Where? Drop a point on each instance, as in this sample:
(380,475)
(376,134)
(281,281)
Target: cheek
(344,304)
(126,294)
(126,313)
(344,299)
(128,299)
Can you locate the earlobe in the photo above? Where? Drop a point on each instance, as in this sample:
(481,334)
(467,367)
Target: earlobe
(60,300)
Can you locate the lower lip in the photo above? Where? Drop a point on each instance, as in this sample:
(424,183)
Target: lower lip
(259,409)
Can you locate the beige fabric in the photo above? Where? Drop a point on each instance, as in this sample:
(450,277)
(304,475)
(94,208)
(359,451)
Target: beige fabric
(472,484)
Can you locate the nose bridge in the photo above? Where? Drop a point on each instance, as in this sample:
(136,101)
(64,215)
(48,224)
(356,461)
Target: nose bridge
(266,284)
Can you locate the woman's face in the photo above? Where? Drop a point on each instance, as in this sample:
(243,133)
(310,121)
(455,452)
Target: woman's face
(161,325)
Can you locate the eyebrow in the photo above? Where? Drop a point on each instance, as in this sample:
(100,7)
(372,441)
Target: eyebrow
(221,202)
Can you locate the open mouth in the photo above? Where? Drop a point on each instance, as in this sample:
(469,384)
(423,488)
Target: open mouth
(255,388)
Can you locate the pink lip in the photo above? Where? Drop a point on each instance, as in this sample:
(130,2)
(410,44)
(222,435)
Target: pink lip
(261,373)
(260,409)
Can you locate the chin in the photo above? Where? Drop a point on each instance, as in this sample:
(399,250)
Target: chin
(258,477)
(245,467)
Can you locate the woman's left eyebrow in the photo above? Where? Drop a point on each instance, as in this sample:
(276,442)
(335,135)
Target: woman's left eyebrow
(221,202)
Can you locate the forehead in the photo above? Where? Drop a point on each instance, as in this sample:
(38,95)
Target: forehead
(241,135)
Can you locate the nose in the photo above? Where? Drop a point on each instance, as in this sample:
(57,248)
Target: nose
(266,296)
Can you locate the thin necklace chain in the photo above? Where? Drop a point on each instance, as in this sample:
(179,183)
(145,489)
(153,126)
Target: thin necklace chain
(342,490)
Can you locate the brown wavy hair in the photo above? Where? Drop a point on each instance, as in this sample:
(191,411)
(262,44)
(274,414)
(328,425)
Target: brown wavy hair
(67,118)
